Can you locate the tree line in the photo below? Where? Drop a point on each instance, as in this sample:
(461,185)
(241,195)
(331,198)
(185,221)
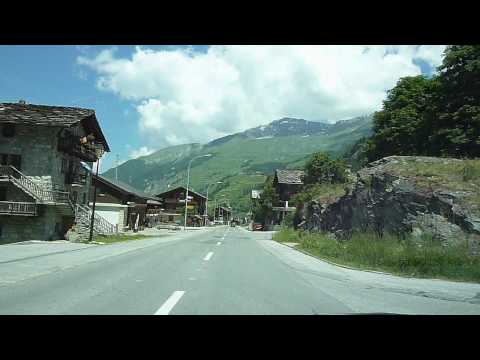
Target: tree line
(436,116)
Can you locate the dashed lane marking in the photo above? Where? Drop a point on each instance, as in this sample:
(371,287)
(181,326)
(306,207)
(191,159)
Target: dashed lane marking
(170,303)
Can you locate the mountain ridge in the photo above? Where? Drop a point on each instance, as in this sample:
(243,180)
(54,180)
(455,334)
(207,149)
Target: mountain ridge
(241,161)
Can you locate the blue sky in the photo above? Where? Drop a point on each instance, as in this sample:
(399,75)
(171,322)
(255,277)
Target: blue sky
(150,97)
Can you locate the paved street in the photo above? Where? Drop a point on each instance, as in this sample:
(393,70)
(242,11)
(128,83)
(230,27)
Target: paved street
(209,271)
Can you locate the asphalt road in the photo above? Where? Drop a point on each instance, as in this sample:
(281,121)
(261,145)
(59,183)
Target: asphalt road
(213,271)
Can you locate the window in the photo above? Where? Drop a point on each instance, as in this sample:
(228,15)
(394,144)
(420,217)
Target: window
(11,159)
(84,198)
(75,196)
(3,194)
(8,130)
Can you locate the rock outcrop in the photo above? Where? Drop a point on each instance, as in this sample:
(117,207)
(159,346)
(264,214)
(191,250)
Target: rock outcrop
(388,195)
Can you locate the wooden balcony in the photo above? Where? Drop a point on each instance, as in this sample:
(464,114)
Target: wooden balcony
(70,144)
(18,208)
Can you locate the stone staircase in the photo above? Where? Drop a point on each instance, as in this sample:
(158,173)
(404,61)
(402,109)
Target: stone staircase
(42,195)
(36,191)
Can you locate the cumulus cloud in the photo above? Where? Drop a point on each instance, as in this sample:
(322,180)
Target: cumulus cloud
(143,151)
(186,96)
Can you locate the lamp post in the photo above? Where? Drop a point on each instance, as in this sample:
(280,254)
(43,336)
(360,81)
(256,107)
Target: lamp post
(226,200)
(99,152)
(206,203)
(188,183)
(215,209)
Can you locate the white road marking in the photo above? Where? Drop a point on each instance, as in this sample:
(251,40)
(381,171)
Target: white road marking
(209,255)
(218,243)
(170,303)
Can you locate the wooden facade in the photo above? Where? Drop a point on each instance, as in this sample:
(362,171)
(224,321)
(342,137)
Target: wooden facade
(114,194)
(173,202)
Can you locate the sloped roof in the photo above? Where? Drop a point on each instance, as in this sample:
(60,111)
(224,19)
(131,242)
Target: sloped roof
(289,176)
(123,187)
(190,191)
(43,115)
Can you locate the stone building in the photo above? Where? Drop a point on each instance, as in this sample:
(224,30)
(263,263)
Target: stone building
(44,183)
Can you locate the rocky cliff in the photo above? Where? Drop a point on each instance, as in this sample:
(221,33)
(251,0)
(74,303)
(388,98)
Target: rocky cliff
(407,195)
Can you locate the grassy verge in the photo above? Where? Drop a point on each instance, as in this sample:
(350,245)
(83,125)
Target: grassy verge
(110,239)
(398,256)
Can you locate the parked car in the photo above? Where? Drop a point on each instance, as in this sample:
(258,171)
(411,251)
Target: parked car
(257,227)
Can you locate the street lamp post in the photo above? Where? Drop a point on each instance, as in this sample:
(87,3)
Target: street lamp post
(188,183)
(215,209)
(206,204)
(222,202)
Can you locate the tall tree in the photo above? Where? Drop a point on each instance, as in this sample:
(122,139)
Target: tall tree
(263,207)
(321,169)
(400,127)
(456,124)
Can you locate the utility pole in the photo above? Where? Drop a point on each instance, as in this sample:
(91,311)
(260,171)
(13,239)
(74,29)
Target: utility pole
(188,183)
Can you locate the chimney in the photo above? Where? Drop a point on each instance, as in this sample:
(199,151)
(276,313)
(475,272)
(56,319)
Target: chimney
(22,102)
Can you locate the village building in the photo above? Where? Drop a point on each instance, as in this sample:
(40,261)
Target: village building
(124,206)
(223,214)
(44,183)
(286,183)
(173,202)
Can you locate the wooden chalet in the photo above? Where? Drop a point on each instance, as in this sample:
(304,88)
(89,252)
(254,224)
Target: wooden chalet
(173,202)
(121,204)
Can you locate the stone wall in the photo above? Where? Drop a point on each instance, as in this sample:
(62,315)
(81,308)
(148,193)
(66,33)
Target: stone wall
(42,163)
(45,226)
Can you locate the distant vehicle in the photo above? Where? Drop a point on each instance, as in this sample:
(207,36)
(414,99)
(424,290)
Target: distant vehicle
(257,227)
(233,223)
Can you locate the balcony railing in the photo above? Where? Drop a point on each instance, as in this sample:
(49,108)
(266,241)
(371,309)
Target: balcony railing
(70,144)
(18,208)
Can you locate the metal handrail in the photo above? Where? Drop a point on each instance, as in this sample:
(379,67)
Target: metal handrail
(31,186)
(18,207)
(84,214)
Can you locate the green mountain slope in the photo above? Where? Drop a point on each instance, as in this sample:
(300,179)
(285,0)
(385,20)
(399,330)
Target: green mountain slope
(241,161)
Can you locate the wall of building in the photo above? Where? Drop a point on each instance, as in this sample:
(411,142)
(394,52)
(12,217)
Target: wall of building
(42,163)
(46,226)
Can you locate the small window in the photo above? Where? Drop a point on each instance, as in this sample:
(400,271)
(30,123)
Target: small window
(8,130)
(84,198)
(0,230)
(3,194)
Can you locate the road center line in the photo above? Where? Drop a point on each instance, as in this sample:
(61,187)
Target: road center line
(170,303)
(209,255)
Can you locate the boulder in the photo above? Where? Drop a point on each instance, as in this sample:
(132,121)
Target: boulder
(381,199)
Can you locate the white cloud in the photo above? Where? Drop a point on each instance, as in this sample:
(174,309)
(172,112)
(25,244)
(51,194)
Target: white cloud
(184,96)
(143,151)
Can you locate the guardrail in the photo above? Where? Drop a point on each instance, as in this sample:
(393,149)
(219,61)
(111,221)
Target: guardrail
(18,208)
(100,225)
